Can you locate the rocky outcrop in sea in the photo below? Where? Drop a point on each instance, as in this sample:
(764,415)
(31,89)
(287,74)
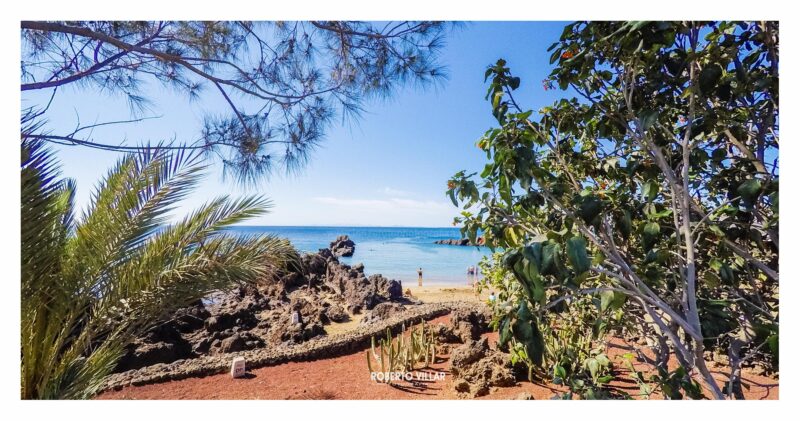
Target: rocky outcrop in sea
(343,246)
(460,242)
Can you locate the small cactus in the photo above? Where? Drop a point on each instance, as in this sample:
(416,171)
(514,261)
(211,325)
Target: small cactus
(403,353)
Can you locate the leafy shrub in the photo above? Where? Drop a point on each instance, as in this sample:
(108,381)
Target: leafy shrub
(656,189)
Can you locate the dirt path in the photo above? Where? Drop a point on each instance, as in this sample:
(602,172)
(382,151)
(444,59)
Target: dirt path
(347,377)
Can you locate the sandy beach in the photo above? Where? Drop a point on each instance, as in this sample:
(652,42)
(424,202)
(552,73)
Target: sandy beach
(438,292)
(434,293)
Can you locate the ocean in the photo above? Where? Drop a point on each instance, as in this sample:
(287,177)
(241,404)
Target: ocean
(394,252)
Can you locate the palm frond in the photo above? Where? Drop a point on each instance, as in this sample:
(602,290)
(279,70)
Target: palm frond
(89,287)
(130,204)
(185,253)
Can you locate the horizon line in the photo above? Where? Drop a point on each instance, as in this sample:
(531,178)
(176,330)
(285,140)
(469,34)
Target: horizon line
(345,226)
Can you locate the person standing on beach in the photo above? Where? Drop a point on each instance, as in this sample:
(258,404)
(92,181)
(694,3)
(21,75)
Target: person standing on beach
(419,272)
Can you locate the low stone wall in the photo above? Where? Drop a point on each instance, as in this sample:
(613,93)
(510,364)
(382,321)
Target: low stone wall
(317,348)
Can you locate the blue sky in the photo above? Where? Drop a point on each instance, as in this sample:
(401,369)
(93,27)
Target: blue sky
(389,168)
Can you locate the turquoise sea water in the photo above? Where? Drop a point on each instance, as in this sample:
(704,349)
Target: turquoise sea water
(393,252)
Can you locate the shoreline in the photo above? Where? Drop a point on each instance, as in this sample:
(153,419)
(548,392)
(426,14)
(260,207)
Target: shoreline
(433,293)
(439,282)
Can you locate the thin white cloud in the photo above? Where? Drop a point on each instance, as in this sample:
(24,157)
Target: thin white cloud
(394,192)
(394,204)
(365,211)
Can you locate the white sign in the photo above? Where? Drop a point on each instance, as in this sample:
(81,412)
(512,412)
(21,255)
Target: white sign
(237,368)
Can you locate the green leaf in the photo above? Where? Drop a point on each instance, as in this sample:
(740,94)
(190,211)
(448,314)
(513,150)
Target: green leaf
(709,77)
(625,224)
(526,330)
(533,253)
(772,343)
(505,189)
(650,234)
(650,190)
(535,283)
(717,230)
(510,236)
(612,300)
(452,195)
(525,282)
(556,54)
(526,270)
(511,258)
(749,191)
(559,372)
(605,379)
(647,118)
(505,331)
(550,252)
(578,257)
(719,154)
(711,279)
(593,367)
(652,229)
(726,273)
(590,207)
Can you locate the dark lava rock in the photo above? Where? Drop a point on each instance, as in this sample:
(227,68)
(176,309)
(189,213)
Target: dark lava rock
(298,333)
(202,346)
(283,330)
(293,280)
(212,324)
(476,369)
(444,334)
(232,344)
(191,318)
(362,293)
(328,255)
(468,353)
(315,263)
(318,286)
(337,314)
(469,324)
(453,242)
(343,246)
(388,289)
(461,242)
(311,310)
(240,341)
(143,354)
(383,311)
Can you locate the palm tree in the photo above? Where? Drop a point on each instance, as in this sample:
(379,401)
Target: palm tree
(91,284)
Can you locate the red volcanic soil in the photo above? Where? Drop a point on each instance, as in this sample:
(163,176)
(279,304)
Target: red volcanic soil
(347,377)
